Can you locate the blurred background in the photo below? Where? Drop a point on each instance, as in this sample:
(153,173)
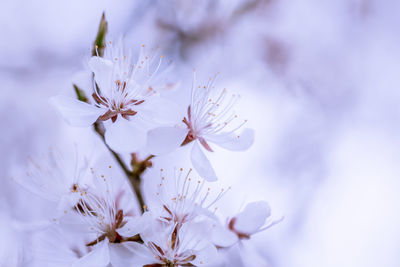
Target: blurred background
(319,82)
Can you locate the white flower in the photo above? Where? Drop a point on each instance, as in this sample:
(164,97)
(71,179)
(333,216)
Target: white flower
(125,96)
(209,120)
(253,219)
(180,198)
(114,228)
(56,179)
(169,245)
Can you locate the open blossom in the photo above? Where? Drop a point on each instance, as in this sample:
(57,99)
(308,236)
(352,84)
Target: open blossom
(210,119)
(180,198)
(125,96)
(254,218)
(112,225)
(55,179)
(170,245)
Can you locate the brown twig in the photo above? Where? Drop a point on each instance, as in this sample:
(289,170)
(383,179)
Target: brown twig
(138,166)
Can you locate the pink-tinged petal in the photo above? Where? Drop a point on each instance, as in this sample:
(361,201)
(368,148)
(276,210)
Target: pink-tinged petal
(103,70)
(125,136)
(223,237)
(207,255)
(75,112)
(163,140)
(232,141)
(205,144)
(133,226)
(98,257)
(252,218)
(202,164)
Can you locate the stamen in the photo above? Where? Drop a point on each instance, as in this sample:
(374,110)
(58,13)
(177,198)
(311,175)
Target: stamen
(182,202)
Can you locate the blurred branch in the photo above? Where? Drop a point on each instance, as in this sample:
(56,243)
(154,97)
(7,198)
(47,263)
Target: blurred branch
(215,24)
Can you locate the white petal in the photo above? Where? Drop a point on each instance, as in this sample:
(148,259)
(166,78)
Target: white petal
(133,226)
(103,70)
(160,111)
(232,141)
(154,230)
(121,255)
(206,255)
(253,217)
(98,257)
(66,202)
(76,112)
(223,237)
(202,164)
(163,140)
(49,249)
(141,255)
(125,136)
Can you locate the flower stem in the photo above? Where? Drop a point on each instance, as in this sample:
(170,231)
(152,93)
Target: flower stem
(138,166)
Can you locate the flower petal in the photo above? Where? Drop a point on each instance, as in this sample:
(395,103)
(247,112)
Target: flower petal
(253,217)
(103,70)
(160,111)
(232,141)
(132,227)
(205,256)
(121,255)
(125,136)
(202,164)
(223,237)
(76,112)
(98,257)
(141,255)
(163,140)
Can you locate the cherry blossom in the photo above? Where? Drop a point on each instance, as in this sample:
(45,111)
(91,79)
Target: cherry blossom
(112,225)
(125,96)
(55,179)
(174,246)
(181,198)
(255,218)
(210,118)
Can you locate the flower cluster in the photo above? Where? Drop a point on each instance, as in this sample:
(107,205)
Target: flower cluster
(96,208)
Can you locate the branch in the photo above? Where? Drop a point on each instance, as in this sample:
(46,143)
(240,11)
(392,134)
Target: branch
(138,166)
